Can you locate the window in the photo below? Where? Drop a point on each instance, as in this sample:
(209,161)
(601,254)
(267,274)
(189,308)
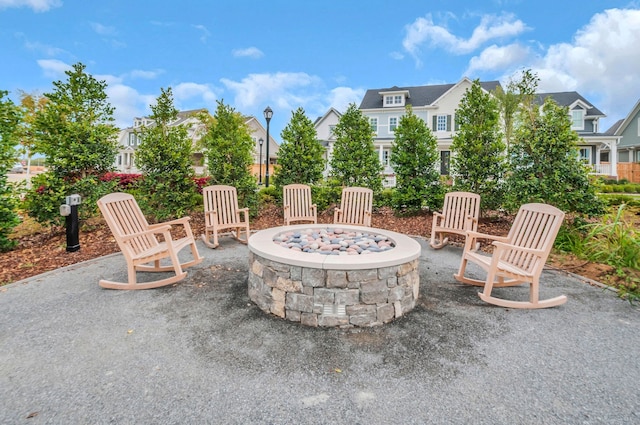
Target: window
(394,100)
(577,119)
(604,157)
(393,123)
(133,139)
(385,157)
(332,131)
(374,124)
(585,154)
(441,123)
(445,162)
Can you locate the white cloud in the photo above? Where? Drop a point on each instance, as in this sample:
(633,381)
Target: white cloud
(498,57)
(184,93)
(44,48)
(287,90)
(396,55)
(340,98)
(128,104)
(601,62)
(36,5)
(145,75)
(103,29)
(425,32)
(249,52)
(53,68)
(204,31)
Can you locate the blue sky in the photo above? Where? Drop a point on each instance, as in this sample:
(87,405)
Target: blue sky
(317,54)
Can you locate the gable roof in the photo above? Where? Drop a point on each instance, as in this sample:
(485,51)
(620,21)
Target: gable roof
(614,128)
(568,99)
(618,128)
(418,95)
(331,110)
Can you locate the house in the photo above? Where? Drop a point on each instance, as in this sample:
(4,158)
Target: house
(597,149)
(435,104)
(324,127)
(129,141)
(627,130)
(259,136)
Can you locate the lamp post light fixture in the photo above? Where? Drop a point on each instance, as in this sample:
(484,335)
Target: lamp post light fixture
(260,142)
(268,113)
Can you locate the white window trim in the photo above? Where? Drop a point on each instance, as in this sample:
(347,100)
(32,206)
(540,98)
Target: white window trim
(396,124)
(438,117)
(576,127)
(371,124)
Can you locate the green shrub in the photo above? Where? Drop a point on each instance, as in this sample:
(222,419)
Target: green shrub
(607,188)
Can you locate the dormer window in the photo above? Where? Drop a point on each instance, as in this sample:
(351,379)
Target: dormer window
(577,119)
(391,99)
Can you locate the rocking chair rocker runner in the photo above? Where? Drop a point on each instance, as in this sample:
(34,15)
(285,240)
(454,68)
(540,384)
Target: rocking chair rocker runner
(139,244)
(297,204)
(221,212)
(517,258)
(460,213)
(355,207)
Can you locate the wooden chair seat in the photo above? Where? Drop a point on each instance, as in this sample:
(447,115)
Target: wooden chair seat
(139,243)
(221,213)
(460,213)
(517,258)
(297,205)
(356,206)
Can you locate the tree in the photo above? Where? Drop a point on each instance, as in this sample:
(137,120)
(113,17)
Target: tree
(164,157)
(31,105)
(414,153)
(75,131)
(229,148)
(545,164)
(300,156)
(354,161)
(9,120)
(508,103)
(477,152)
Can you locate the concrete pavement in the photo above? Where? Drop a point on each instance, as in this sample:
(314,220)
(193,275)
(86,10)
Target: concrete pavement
(201,352)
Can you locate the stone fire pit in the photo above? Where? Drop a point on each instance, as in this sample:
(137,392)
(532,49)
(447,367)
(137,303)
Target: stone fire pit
(333,290)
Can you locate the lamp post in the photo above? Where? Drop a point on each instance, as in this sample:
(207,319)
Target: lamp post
(260,142)
(268,113)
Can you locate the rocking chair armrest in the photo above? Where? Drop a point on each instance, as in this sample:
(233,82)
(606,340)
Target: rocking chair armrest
(245,211)
(502,246)
(472,234)
(150,231)
(437,216)
(183,221)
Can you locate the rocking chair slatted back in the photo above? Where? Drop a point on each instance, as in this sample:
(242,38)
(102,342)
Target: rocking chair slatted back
(533,229)
(297,204)
(460,212)
(221,212)
(355,207)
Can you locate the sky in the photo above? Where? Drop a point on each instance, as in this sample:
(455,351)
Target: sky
(317,54)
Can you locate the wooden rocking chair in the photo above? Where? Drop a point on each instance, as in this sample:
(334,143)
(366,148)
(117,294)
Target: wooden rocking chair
(221,212)
(297,204)
(139,244)
(355,207)
(460,213)
(519,257)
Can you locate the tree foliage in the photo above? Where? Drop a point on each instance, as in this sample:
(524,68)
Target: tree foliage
(229,152)
(164,157)
(477,152)
(545,163)
(354,161)
(9,120)
(300,156)
(414,153)
(74,130)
